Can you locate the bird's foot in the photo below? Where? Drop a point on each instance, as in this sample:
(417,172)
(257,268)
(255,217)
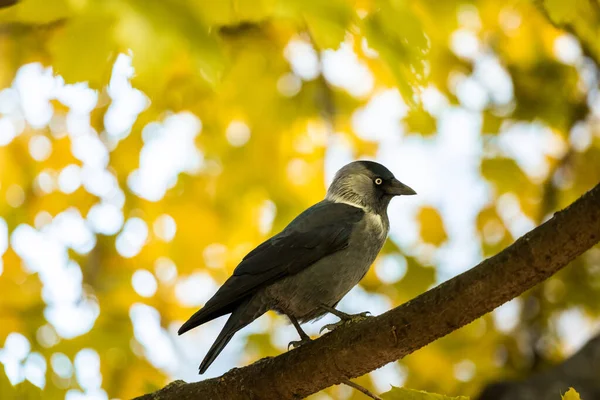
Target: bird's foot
(297,343)
(347,319)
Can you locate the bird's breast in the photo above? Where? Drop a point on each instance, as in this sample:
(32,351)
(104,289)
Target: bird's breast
(368,238)
(332,277)
(377,225)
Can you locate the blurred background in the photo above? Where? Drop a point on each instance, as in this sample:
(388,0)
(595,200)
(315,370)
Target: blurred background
(147,146)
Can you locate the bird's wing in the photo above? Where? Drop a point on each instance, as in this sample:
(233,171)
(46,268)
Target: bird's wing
(318,232)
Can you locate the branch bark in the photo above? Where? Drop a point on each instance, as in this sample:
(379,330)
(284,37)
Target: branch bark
(362,347)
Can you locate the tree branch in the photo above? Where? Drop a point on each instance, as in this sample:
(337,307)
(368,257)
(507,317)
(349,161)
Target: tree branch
(362,347)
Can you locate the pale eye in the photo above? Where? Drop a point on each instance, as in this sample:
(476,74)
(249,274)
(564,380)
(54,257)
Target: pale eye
(378,181)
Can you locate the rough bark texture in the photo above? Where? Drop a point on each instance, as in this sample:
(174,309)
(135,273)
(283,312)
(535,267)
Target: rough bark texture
(360,348)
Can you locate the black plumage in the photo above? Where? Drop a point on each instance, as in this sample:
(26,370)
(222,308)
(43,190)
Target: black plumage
(305,270)
(320,230)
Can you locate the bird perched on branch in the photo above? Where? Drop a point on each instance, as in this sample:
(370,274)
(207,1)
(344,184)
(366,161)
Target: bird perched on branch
(306,269)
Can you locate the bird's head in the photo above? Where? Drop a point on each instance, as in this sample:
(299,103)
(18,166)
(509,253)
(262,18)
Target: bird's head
(366,184)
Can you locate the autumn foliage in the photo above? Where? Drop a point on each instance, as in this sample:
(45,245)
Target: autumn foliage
(146,146)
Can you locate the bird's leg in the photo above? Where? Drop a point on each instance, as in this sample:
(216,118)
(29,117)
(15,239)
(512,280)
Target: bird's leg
(342,315)
(344,318)
(304,338)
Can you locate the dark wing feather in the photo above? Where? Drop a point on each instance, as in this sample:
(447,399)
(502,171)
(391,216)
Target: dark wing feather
(318,232)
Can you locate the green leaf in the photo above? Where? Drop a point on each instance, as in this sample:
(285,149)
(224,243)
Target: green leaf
(28,391)
(83,49)
(177,22)
(36,11)
(327,21)
(234,12)
(581,18)
(5,386)
(548,90)
(23,391)
(396,33)
(491,123)
(578,11)
(418,278)
(410,394)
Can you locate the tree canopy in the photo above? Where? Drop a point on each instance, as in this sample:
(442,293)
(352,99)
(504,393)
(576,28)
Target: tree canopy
(147,146)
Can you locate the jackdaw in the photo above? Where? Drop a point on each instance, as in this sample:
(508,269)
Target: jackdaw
(306,269)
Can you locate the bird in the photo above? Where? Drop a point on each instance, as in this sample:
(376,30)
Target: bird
(306,269)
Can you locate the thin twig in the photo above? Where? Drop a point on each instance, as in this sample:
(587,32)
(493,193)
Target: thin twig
(356,386)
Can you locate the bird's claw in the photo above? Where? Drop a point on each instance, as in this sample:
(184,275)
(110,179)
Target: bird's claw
(297,343)
(349,319)
(331,327)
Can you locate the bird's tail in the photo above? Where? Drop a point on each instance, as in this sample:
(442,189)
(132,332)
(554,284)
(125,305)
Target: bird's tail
(244,314)
(204,315)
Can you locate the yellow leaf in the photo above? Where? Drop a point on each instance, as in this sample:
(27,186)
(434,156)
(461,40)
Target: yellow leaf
(432,226)
(410,394)
(494,235)
(571,395)
(504,174)
(420,121)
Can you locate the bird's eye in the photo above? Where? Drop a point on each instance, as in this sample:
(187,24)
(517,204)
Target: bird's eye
(378,181)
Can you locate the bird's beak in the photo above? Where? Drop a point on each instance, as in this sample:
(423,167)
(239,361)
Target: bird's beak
(397,188)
